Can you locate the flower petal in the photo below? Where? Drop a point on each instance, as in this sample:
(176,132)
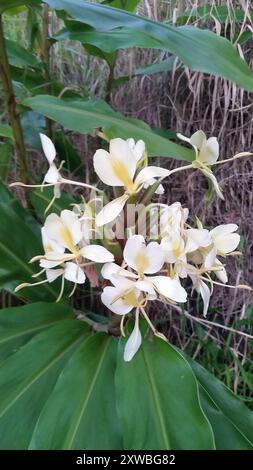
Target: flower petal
(224,239)
(197,238)
(74,273)
(48,148)
(150,172)
(205,293)
(72,223)
(97,253)
(210,152)
(222,273)
(134,341)
(104,169)
(53,274)
(214,182)
(122,154)
(118,306)
(198,139)
(52,175)
(111,210)
(50,245)
(169,288)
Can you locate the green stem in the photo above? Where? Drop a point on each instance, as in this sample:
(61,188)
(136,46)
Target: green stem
(5,75)
(109,83)
(45,56)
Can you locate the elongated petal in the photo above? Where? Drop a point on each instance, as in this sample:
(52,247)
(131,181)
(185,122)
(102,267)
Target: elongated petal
(47,264)
(214,182)
(48,148)
(210,258)
(123,155)
(97,253)
(111,210)
(50,245)
(53,274)
(118,306)
(134,341)
(111,269)
(205,293)
(223,230)
(209,154)
(52,175)
(74,273)
(198,139)
(222,273)
(72,223)
(170,288)
(137,148)
(104,169)
(150,172)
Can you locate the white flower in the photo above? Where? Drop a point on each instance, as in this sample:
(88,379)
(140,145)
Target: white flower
(118,168)
(207,153)
(71,272)
(224,239)
(143,259)
(150,260)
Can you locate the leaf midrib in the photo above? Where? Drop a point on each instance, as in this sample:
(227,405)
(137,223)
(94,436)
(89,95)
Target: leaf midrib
(72,434)
(155,395)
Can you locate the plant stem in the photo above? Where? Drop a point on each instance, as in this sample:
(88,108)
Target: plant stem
(11,104)
(46,60)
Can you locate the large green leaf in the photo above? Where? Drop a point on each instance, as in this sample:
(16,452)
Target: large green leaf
(85,116)
(199,49)
(21,57)
(20,240)
(6,131)
(18,324)
(6,4)
(28,377)
(231,420)
(86,385)
(157,391)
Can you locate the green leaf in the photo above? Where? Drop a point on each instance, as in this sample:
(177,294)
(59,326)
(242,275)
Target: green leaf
(32,125)
(6,131)
(86,385)
(85,116)
(231,420)
(165,66)
(6,4)
(128,5)
(21,57)
(157,391)
(6,151)
(28,377)
(20,240)
(19,324)
(68,153)
(200,50)
(107,41)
